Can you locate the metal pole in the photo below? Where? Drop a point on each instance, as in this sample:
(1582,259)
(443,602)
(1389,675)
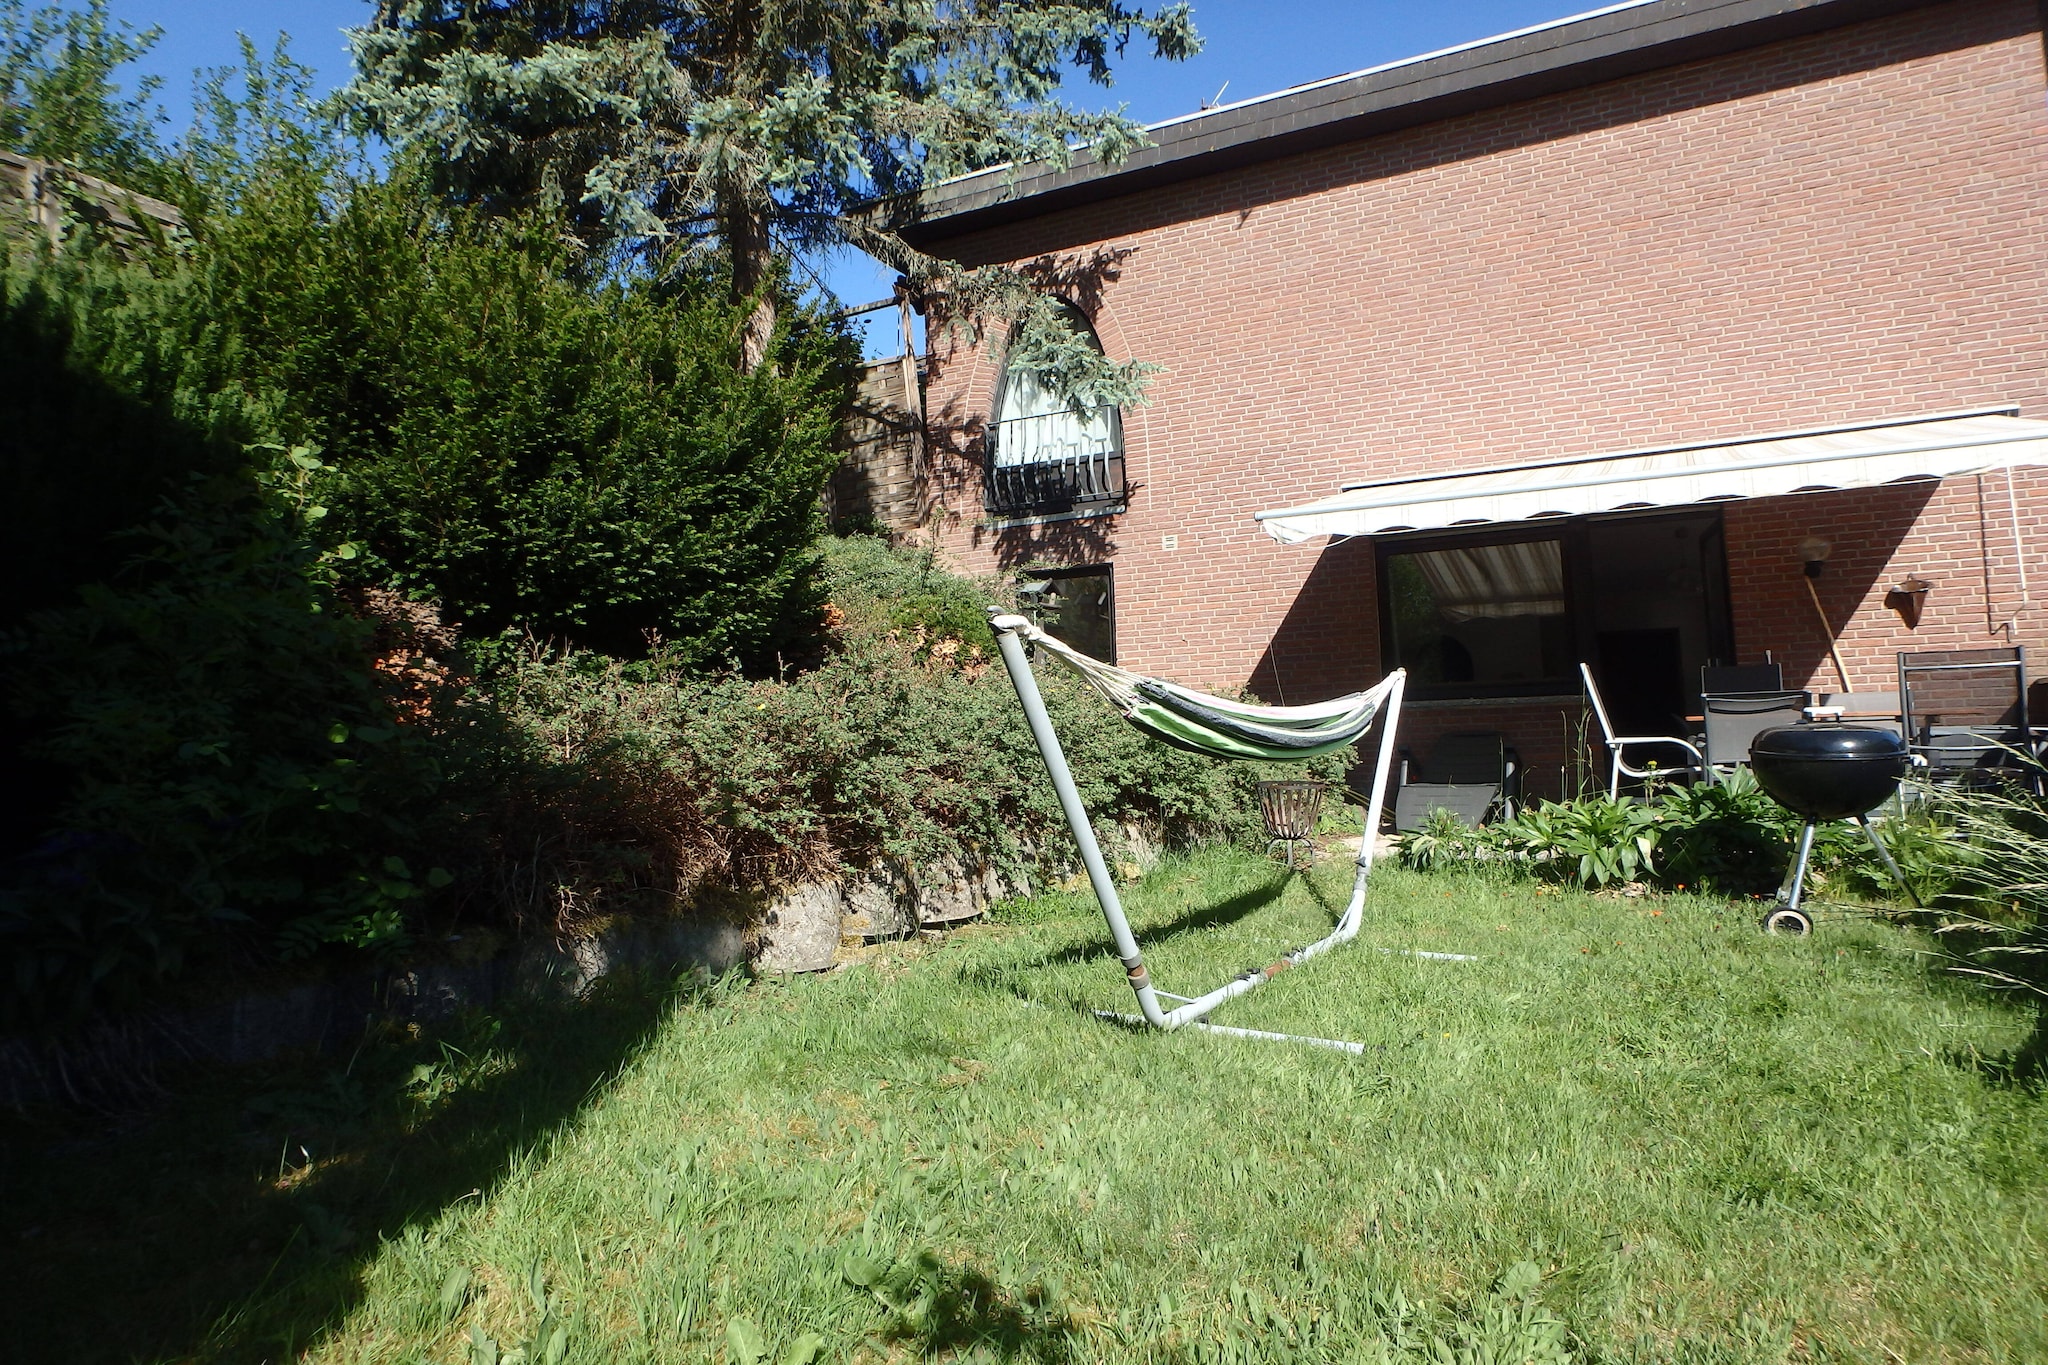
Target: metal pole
(1026,683)
(1799,867)
(1870,833)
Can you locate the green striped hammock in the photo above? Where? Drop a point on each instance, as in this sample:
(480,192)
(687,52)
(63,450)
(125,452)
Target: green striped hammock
(1217,726)
(1224,729)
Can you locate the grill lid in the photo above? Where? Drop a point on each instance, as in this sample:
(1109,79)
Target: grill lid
(1828,741)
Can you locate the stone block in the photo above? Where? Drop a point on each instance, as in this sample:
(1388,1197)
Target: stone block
(881,901)
(800,930)
(946,894)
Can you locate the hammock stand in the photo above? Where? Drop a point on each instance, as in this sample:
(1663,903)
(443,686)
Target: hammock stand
(1222,729)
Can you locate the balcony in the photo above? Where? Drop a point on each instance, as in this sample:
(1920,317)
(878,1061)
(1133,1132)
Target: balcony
(1056,463)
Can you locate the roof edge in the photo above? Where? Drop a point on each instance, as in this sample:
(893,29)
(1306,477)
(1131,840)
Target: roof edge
(1602,45)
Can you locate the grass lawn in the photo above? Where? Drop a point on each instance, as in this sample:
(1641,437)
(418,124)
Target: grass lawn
(1635,1130)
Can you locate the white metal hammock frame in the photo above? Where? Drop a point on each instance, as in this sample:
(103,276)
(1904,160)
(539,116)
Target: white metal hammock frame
(1381,703)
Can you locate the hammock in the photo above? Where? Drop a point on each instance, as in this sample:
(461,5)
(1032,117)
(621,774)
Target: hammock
(1222,728)
(1216,726)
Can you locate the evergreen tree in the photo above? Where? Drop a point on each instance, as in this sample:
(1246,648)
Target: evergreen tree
(667,127)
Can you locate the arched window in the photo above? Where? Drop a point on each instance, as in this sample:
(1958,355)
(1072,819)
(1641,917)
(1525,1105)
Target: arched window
(1047,457)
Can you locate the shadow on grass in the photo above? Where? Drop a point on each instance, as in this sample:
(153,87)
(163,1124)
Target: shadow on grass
(237,1223)
(1973,965)
(2023,1068)
(952,1311)
(1243,904)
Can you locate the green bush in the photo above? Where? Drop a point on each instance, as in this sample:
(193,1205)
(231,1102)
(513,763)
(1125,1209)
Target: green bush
(234,785)
(583,461)
(1592,841)
(99,427)
(587,463)
(888,747)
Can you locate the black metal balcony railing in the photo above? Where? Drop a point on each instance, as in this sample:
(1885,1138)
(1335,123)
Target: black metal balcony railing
(1043,466)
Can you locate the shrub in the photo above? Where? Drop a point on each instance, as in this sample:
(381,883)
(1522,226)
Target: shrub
(235,787)
(1593,841)
(1993,863)
(199,741)
(644,781)
(587,463)
(1725,837)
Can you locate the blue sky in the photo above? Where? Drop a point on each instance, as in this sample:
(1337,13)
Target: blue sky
(1253,48)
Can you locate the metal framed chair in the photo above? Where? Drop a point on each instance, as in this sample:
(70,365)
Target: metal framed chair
(1879,710)
(1469,775)
(1733,719)
(1618,745)
(1964,711)
(1725,678)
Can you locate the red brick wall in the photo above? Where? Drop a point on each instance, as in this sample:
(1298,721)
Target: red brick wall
(1841,227)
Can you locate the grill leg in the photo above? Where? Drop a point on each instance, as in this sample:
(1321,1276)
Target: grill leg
(1797,884)
(1886,854)
(1786,917)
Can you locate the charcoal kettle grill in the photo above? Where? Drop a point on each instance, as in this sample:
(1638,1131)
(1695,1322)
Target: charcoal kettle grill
(1820,772)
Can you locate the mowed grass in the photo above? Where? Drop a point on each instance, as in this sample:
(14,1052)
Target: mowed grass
(1633,1130)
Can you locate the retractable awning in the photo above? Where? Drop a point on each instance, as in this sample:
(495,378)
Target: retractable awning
(1859,456)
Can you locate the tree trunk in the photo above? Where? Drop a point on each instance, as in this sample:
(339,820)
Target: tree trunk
(753,268)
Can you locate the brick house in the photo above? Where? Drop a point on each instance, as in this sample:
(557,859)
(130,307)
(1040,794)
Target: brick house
(1680,223)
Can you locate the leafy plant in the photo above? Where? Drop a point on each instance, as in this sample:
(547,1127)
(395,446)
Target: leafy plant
(1444,841)
(1725,836)
(1593,841)
(886,747)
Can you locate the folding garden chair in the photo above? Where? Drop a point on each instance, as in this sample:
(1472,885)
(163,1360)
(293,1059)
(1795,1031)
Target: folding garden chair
(1722,678)
(1469,775)
(1734,719)
(1964,712)
(1618,745)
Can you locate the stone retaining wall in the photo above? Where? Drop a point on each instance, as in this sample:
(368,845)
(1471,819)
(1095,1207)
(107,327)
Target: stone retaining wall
(797,929)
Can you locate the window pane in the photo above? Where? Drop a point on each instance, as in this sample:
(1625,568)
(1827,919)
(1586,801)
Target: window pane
(1079,608)
(1034,425)
(1481,614)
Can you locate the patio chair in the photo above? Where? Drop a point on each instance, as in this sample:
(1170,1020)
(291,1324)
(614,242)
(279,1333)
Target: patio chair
(1726,678)
(1469,775)
(1964,712)
(1733,719)
(1618,746)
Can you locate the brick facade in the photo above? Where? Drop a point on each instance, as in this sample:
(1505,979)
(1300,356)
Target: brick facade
(1838,227)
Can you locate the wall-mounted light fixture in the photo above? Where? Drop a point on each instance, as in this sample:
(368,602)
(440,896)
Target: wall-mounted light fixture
(1814,552)
(1908,597)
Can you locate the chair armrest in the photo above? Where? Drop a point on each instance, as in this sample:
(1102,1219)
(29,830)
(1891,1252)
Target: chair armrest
(1622,741)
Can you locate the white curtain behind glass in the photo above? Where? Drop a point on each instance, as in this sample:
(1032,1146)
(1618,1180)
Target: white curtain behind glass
(1035,425)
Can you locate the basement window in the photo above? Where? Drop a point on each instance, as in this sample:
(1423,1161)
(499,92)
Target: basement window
(1077,605)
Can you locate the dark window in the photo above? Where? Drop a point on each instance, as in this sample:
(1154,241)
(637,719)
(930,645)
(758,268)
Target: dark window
(1046,456)
(1481,616)
(1504,613)
(1077,605)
